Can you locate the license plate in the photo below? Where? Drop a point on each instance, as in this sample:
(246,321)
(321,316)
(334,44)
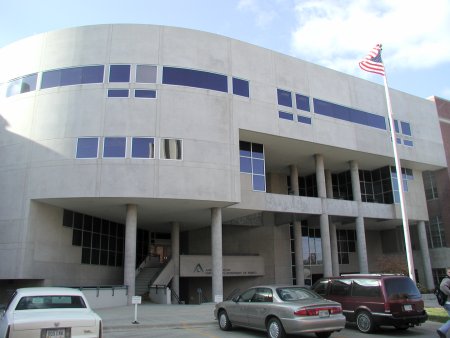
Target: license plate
(324,313)
(55,333)
(407,307)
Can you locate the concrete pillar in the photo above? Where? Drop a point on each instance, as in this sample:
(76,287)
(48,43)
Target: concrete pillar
(360,228)
(294,180)
(175,238)
(421,231)
(216,253)
(334,249)
(298,244)
(324,222)
(130,250)
(329,183)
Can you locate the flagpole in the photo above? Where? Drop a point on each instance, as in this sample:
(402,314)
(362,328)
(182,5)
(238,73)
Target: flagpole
(409,256)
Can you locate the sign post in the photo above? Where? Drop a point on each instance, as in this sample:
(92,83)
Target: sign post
(136,300)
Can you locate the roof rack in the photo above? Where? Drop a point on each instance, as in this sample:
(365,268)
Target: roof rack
(372,274)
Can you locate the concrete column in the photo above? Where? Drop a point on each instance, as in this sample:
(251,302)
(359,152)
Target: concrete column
(175,238)
(294,180)
(425,255)
(298,244)
(324,222)
(334,249)
(216,253)
(130,250)
(329,183)
(360,228)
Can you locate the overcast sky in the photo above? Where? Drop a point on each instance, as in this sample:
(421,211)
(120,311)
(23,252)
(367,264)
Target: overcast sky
(333,33)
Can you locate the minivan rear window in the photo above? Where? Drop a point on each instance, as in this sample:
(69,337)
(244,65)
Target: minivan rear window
(401,288)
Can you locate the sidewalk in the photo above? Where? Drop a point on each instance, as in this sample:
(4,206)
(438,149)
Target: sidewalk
(156,315)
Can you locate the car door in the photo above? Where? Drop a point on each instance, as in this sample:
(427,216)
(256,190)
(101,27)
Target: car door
(259,307)
(238,310)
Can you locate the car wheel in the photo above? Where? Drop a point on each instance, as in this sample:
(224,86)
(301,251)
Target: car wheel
(224,321)
(364,322)
(323,334)
(275,329)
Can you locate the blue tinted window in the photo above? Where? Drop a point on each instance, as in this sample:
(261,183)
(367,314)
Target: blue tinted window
(87,147)
(286,115)
(119,73)
(143,147)
(240,87)
(257,150)
(258,166)
(406,128)
(259,183)
(114,147)
(21,85)
(145,74)
(408,143)
(349,114)
(304,119)
(302,102)
(195,78)
(397,130)
(72,76)
(284,98)
(145,93)
(246,165)
(399,140)
(118,92)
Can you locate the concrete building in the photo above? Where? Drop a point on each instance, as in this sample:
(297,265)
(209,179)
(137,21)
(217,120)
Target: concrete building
(437,192)
(234,164)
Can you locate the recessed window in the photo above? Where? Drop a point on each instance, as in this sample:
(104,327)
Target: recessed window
(119,73)
(304,119)
(406,128)
(145,74)
(21,85)
(118,92)
(302,102)
(252,162)
(114,147)
(145,93)
(195,78)
(171,149)
(143,147)
(284,98)
(240,87)
(72,76)
(286,116)
(87,147)
(408,143)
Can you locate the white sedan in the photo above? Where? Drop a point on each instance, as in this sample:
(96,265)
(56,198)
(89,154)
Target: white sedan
(49,312)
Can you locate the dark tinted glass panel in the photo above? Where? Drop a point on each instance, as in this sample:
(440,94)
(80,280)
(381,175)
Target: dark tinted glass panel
(408,143)
(349,114)
(118,92)
(51,78)
(78,220)
(240,87)
(258,166)
(401,288)
(284,98)
(114,147)
(406,128)
(340,287)
(145,93)
(286,116)
(397,130)
(87,225)
(119,73)
(96,225)
(22,85)
(302,102)
(68,218)
(257,150)
(86,255)
(95,256)
(87,147)
(72,76)
(76,237)
(244,148)
(87,238)
(195,78)
(246,165)
(259,183)
(145,74)
(92,74)
(304,119)
(143,147)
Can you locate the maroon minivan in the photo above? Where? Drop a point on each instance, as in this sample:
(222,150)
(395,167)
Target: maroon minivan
(373,300)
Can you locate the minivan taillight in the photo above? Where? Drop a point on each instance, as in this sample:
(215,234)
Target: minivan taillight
(315,311)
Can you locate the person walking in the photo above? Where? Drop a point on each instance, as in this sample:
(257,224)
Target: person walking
(445,288)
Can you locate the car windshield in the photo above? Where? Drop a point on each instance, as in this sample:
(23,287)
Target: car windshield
(401,288)
(289,294)
(50,302)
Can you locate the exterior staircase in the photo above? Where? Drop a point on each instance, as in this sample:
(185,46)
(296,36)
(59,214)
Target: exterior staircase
(145,273)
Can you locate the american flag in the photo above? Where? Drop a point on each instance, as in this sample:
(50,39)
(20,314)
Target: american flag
(373,62)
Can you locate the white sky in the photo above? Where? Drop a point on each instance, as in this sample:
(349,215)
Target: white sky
(333,33)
